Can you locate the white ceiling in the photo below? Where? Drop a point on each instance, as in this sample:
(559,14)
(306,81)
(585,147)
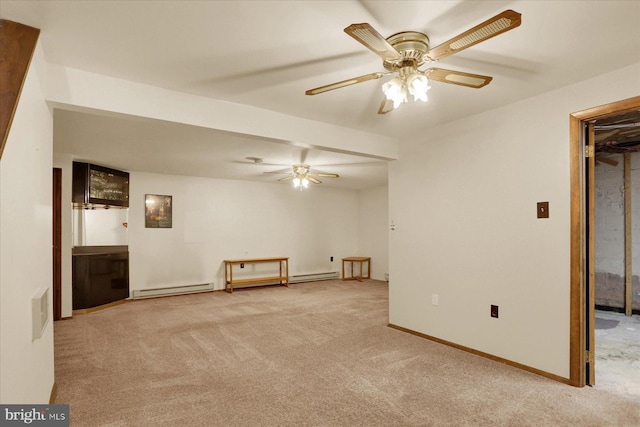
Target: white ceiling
(267,53)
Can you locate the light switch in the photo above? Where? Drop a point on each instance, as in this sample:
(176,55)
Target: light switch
(543,209)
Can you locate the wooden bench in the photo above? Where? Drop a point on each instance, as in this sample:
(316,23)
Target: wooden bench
(282,278)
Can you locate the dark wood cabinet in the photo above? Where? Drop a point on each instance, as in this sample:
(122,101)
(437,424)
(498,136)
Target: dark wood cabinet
(100,277)
(99,185)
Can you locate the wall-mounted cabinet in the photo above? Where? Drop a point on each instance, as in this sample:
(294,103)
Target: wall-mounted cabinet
(99,185)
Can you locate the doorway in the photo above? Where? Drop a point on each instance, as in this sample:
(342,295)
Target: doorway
(617,232)
(583,249)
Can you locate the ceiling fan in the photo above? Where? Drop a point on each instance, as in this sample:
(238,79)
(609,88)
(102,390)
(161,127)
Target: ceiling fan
(301,175)
(402,54)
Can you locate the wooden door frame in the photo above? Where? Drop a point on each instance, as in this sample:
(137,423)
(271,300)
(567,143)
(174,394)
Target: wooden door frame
(590,255)
(578,263)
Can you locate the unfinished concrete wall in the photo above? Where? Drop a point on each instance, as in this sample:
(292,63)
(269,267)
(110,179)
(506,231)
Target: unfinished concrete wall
(610,233)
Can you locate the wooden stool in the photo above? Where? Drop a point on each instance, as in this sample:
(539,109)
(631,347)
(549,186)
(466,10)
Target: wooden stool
(360,260)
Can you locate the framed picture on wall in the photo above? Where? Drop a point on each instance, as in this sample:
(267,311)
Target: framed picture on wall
(157,211)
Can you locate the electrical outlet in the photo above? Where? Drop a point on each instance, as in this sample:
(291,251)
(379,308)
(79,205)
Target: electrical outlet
(434,299)
(494,311)
(242,265)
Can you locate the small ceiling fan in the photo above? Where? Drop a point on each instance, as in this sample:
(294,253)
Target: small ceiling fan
(402,54)
(301,175)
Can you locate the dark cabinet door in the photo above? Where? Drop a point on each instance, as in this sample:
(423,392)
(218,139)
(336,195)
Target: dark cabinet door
(80,282)
(100,279)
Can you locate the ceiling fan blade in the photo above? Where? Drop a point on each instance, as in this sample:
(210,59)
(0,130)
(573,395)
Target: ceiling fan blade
(287,178)
(247,162)
(505,21)
(344,83)
(607,161)
(373,41)
(458,77)
(362,164)
(601,136)
(385,106)
(325,175)
(314,180)
(303,155)
(279,171)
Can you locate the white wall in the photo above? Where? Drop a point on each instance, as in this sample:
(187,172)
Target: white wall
(217,219)
(100,227)
(26,366)
(373,229)
(464,199)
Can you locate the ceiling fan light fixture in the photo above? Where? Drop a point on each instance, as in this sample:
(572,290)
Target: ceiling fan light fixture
(418,87)
(395,90)
(398,88)
(300,182)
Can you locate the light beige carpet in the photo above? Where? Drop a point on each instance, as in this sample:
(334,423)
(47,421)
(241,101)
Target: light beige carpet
(317,354)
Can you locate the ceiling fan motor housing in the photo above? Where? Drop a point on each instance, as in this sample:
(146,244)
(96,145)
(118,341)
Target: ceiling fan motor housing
(301,170)
(412,45)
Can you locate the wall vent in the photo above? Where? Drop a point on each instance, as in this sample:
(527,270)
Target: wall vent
(314,277)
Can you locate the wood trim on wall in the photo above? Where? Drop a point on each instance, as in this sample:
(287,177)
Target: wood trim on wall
(17,44)
(577,329)
(590,255)
(483,354)
(53,394)
(576,300)
(628,220)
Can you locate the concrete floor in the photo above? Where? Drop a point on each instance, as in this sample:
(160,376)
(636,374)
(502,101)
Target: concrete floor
(618,353)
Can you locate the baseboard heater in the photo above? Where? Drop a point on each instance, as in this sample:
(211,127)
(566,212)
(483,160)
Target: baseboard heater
(174,290)
(313,277)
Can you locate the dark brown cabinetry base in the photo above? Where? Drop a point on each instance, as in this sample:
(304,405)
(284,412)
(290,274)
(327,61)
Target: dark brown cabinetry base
(100,276)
